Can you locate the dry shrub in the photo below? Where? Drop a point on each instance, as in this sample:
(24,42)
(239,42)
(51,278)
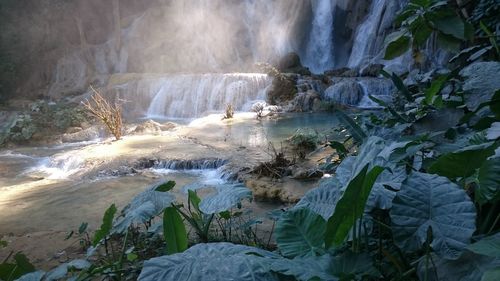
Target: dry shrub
(109,114)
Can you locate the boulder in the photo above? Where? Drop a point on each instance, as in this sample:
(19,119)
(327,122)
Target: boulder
(153,128)
(346,92)
(290,63)
(83,135)
(282,89)
(305,174)
(480,82)
(305,101)
(372,70)
(72,130)
(343,72)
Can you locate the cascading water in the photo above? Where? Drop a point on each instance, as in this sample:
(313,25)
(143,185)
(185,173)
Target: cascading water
(319,51)
(381,89)
(195,95)
(369,36)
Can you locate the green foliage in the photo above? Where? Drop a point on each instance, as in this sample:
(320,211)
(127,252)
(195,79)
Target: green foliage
(419,20)
(489,181)
(350,207)
(489,246)
(169,185)
(174,231)
(20,266)
(428,202)
(215,261)
(107,224)
(463,162)
(300,232)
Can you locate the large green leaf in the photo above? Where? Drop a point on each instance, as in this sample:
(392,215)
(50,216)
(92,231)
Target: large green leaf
(351,206)
(300,232)
(397,47)
(354,129)
(435,88)
(375,152)
(468,267)
(143,207)
(385,187)
(368,154)
(20,267)
(174,231)
(453,26)
(61,271)
(489,181)
(491,274)
(323,199)
(227,196)
(431,201)
(488,246)
(462,163)
(107,224)
(400,85)
(215,261)
(346,266)
(305,268)
(164,187)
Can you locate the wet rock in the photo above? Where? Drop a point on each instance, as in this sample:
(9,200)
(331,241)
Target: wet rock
(343,72)
(372,70)
(72,130)
(282,89)
(83,135)
(291,63)
(305,101)
(306,174)
(153,128)
(481,82)
(268,190)
(347,92)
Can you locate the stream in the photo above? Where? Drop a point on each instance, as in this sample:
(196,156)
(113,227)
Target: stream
(55,188)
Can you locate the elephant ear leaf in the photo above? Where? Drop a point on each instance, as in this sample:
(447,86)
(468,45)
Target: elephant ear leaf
(462,163)
(430,201)
(214,261)
(323,199)
(300,232)
(226,197)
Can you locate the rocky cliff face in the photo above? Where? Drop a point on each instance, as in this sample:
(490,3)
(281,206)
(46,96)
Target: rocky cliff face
(59,47)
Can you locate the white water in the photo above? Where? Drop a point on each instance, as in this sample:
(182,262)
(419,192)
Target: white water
(368,41)
(319,51)
(364,41)
(61,166)
(195,95)
(379,88)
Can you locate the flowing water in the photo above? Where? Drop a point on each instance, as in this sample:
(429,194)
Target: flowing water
(58,187)
(320,48)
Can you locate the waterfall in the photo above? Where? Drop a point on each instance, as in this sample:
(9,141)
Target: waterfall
(369,37)
(194,95)
(319,50)
(381,89)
